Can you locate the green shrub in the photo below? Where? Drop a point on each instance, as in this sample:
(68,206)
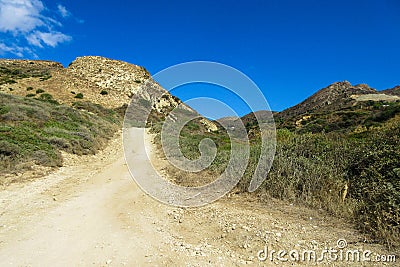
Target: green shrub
(4,109)
(375,184)
(39,91)
(104,92)
(48,98)
(79,95)
(30,95)
(10,81)
(8,149)
(29,88)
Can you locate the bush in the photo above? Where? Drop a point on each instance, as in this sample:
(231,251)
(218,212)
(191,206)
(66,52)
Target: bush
(79,95)
(29,88)
(39,91)
(48,98)
(30,95)
(375,183)
(104,92)
(8,149)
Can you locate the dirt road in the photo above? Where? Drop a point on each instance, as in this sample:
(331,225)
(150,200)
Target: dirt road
(91,213)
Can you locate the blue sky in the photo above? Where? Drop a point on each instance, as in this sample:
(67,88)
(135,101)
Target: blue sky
(289,49)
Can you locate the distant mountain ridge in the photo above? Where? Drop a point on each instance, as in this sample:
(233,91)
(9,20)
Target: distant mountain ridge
(334,96)
(339,106)
(393,91)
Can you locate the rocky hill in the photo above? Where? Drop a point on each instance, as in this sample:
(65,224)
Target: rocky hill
(110,83)
(335,96)
(337,107)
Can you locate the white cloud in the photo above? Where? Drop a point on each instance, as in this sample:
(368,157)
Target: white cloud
(31,22)
(16,50)
(20,15)
(63,11)
(52,39)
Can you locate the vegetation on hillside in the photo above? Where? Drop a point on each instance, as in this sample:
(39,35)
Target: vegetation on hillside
(35,130)
(360,115)
(317,170)
(9,74)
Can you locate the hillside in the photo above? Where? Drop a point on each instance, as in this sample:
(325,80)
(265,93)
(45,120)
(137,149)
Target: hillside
(35,132)
(341,107)
(337,107)
(393,91)
(333,97)
(110,83)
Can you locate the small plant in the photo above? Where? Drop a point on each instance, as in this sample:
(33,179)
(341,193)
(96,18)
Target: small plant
(30,95)
(39,91)
(10,81)
(72,92)
(48,98)
(4,109)
(30,88)
(104,92)
(79,95)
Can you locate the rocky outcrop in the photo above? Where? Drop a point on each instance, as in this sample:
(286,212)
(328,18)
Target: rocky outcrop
(110,74)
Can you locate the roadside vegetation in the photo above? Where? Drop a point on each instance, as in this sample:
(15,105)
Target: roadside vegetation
(353,174)
(35,130)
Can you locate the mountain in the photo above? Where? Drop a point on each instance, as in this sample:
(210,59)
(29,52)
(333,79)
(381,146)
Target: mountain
(338,107)
(335,96)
